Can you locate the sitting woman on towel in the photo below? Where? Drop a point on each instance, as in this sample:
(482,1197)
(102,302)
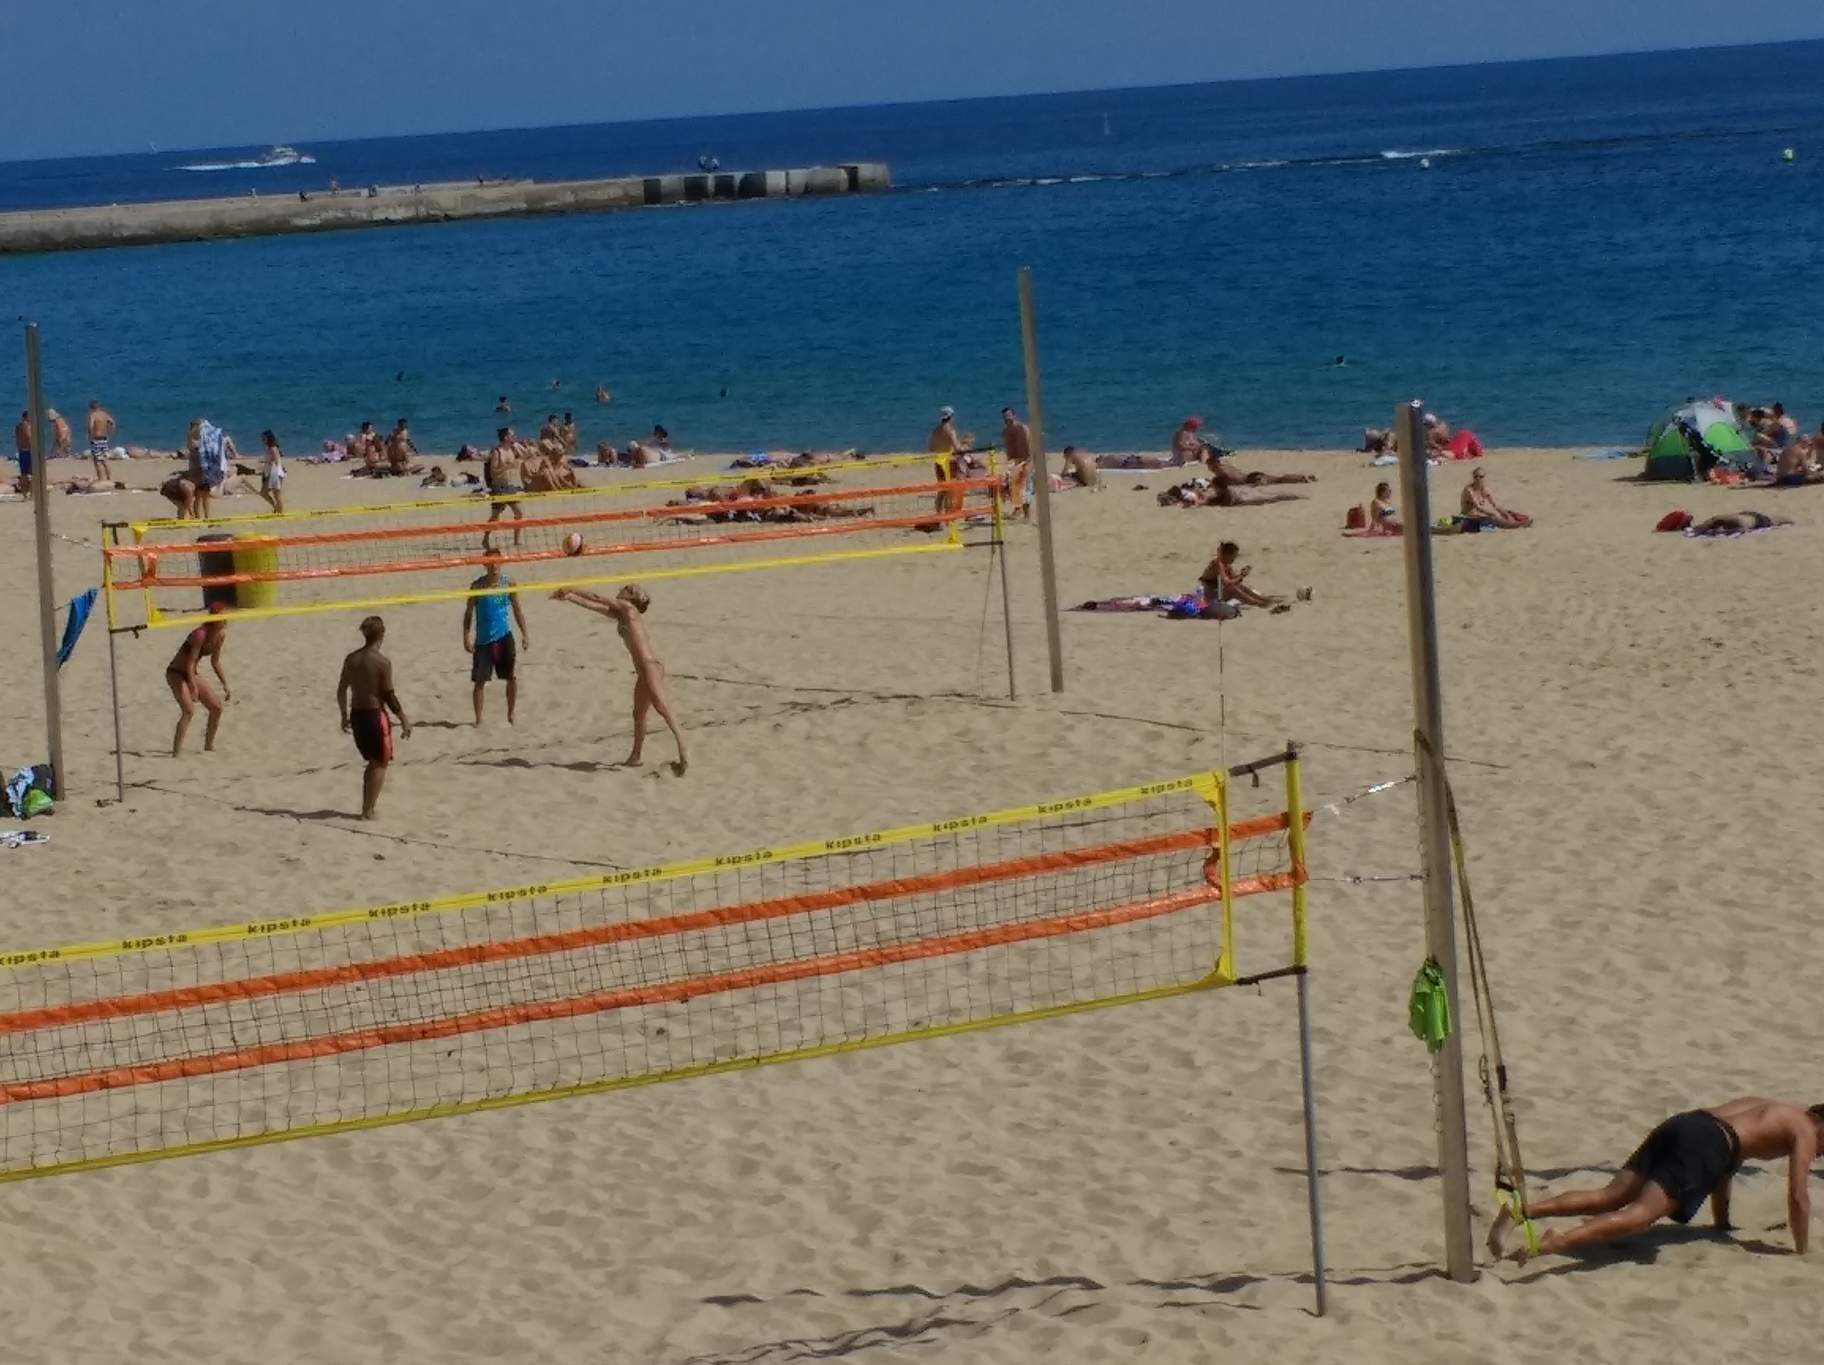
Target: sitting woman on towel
(1383,517)
(1480,509)
(1223,580)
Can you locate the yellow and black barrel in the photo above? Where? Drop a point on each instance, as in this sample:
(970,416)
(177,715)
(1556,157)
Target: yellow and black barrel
(241,554)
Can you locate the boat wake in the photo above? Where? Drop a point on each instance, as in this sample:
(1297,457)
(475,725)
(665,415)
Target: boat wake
(263,163)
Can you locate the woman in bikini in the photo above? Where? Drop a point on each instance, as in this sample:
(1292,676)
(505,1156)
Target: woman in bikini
(1222,580)
(183,675)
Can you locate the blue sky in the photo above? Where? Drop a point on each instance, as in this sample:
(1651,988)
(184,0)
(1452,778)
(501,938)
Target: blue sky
(112,75)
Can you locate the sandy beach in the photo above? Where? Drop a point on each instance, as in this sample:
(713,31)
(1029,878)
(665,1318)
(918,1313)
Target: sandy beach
(1123,1185)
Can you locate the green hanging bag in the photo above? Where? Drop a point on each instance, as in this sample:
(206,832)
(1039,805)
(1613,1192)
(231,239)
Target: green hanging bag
(1428,1008)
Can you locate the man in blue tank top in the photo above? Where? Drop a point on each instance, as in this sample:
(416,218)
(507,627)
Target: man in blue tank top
(487,635)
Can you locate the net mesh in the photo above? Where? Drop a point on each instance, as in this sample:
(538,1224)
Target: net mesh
(363,557)
(191,1041)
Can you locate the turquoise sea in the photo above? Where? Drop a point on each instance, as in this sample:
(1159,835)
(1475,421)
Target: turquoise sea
(1548,252)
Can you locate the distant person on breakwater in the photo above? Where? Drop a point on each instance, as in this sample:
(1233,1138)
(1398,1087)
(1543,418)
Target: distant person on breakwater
(101,437)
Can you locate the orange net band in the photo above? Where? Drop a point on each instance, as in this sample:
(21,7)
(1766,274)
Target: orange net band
(794,531)
(664,512)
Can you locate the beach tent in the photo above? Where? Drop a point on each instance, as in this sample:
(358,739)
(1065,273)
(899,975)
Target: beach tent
(1692,438)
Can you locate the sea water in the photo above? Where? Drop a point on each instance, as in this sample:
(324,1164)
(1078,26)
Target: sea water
(1547,252)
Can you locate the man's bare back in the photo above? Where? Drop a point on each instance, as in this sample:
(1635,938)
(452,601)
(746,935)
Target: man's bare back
(1767,1129)
(368,675)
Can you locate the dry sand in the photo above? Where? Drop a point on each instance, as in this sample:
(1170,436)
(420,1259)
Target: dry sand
(1628,711)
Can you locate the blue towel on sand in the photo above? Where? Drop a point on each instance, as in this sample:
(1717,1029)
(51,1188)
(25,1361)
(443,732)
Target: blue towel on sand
(80,607)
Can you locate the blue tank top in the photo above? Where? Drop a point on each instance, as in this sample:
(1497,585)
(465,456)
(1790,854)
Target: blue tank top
(492,619)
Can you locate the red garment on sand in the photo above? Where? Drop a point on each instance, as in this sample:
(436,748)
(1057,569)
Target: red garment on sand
(1464,446)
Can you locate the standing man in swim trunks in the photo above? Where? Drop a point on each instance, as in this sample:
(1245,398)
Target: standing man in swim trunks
(1016,440)
(22,443)
(364,695)
(1687,1159)
(625,609)
(487,636)
(504,472)
(101,437)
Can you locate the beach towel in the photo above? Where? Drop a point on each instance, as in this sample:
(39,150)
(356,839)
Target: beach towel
(1371,533)
(1616,454)
(80,606)
(1188,606)
(211,456)
(19,838)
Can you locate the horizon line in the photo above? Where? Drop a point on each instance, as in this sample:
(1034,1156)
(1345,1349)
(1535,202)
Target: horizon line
(775,110)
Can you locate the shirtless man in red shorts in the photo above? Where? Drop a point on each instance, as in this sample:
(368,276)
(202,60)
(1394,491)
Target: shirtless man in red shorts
(364,695)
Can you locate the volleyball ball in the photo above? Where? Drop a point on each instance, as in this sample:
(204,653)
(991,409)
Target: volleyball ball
(573,543)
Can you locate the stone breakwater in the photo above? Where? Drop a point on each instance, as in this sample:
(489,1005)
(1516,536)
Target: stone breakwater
(192,220)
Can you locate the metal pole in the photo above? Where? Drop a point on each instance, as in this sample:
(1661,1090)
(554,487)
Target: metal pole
(998,548)
(1295,843)
(1434,844)
(107,593)
(1035,412)
(1312,1193)
(47,598)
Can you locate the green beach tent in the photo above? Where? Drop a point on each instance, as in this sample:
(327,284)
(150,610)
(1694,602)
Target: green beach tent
(1693,437)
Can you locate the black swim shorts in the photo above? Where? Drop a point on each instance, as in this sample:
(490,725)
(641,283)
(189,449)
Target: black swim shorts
(373,731)
(496,659)
(1688,1156)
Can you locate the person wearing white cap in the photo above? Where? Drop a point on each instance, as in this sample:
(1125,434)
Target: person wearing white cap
(946,445)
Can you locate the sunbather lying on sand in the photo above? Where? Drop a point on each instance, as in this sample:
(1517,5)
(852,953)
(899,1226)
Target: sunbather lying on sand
(1729,524)
(704,499)
(1222,470)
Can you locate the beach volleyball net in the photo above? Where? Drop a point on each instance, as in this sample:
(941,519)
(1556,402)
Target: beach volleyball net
(361,558)
(186,1042)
